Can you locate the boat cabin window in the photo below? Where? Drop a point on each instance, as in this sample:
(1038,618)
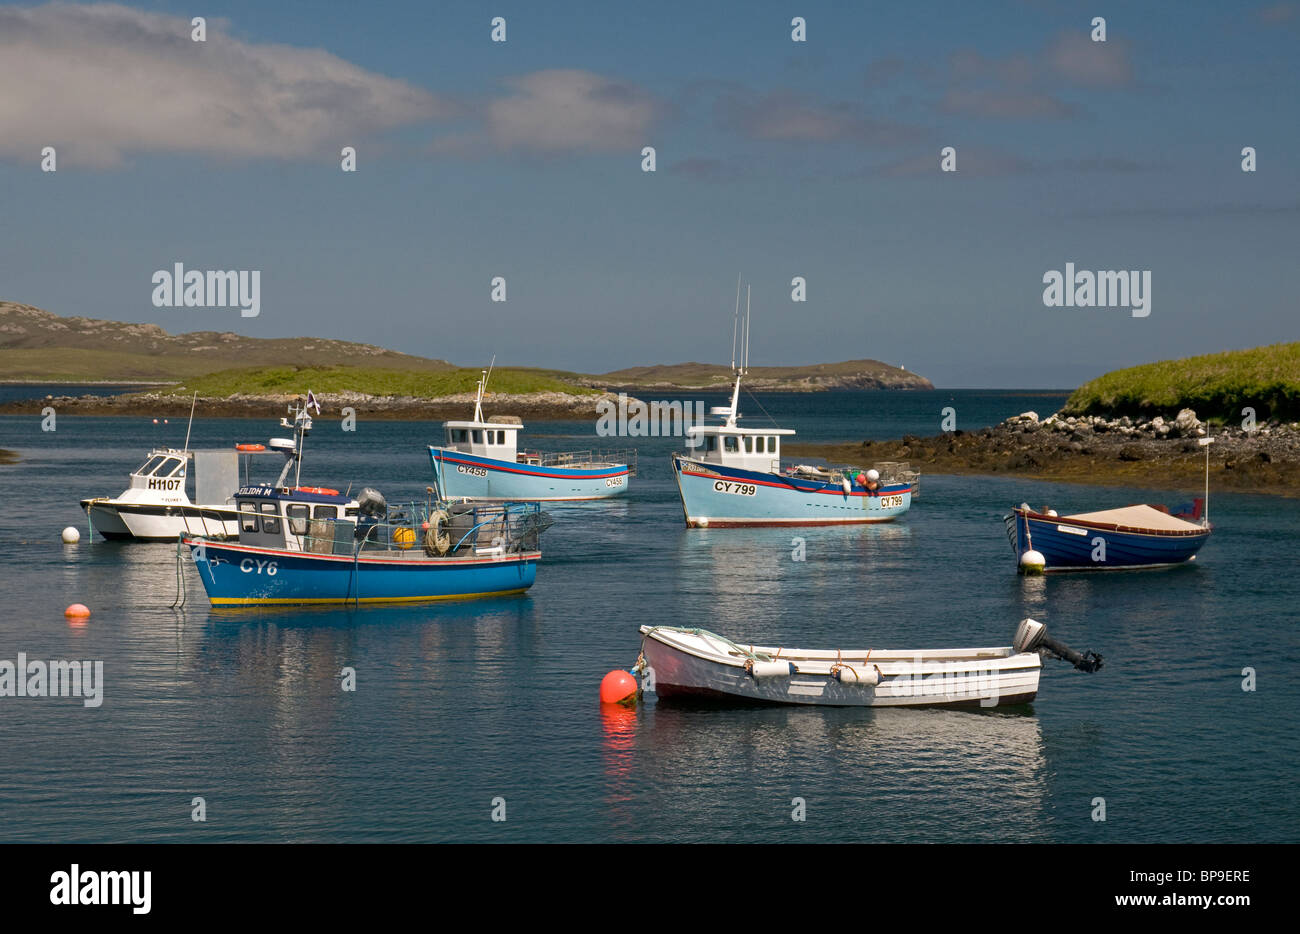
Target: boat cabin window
(457,435)
(247,517)
(350,512)
(478,435)
(710,442)
(151,465)
(297,515)
(325,512)
(171,467)
(729,444)
(270,519)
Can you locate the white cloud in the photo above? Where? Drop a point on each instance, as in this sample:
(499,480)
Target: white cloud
(570,110)
(1081,61)
(100,82)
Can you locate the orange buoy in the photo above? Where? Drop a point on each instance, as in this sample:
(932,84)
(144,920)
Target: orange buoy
(324,491)
(250,447)
(77,611)
(618,687)
(861,478)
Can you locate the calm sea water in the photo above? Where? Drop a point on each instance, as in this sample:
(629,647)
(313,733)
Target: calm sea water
(458,704)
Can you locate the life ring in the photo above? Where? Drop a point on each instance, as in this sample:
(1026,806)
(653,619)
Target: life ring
(321,490)
(250,447)
(437,540)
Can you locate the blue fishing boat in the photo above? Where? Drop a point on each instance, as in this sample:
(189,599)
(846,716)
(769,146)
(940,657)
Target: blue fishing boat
(734,477)
(1128,538)
(310,545)
(481,460)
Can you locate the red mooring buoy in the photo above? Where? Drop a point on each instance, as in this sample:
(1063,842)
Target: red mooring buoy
(77,611)
(618,687)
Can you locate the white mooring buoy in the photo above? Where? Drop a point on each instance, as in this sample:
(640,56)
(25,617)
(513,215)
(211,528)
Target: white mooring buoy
(1032,562)
(71,536)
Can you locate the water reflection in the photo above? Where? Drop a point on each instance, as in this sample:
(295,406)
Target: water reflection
(918,774)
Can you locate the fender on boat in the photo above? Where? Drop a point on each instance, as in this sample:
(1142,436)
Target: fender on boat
(760,670)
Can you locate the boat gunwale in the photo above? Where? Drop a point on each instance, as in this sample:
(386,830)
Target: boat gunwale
(1109,526)
(364,558)
(888,657)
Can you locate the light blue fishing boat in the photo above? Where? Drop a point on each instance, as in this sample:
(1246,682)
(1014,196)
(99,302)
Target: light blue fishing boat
(481,460)
(734,476)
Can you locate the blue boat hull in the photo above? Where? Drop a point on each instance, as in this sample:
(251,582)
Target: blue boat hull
(1078,546)
(469,476)
(238,575)
(717,496)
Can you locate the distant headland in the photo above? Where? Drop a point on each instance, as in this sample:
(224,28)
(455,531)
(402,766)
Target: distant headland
(237,376)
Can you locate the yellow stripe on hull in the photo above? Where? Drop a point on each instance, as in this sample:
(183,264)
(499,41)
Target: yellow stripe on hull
(290,601)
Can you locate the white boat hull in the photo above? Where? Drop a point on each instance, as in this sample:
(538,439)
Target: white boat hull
(119,520)
(691,664)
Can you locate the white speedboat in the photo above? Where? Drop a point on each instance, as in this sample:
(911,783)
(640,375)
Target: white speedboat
(678,662)
(156,506)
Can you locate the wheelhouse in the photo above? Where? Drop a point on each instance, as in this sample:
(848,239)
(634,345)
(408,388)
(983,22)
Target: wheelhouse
(744,448)
(163,470)
(497,440)
(283,518)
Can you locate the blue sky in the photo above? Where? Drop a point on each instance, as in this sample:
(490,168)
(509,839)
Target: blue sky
(775,159)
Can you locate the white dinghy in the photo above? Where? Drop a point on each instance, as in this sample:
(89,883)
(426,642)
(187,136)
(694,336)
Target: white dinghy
(678,662)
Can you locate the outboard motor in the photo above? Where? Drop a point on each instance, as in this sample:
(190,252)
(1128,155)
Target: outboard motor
(371,503)
(1031,636)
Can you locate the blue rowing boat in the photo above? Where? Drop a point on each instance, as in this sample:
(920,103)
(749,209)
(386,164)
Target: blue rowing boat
(1139,536)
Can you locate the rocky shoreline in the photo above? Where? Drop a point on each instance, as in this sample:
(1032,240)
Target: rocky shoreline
(536,406)
(1162,452)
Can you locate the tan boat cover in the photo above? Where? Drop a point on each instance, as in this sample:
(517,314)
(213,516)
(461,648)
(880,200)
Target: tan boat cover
(1137,517)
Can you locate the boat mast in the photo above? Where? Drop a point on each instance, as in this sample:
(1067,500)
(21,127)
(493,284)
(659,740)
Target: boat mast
(191,424)
(302,425)
(1205,443)
(482,386)
(744,358)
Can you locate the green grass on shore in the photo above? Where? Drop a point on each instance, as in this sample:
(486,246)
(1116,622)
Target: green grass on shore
(1217,386)
(375,381)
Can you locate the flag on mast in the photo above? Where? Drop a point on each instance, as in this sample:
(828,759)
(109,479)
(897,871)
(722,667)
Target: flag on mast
(312,403)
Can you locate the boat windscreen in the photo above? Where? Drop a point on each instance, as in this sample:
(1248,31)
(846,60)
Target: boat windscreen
(151,465)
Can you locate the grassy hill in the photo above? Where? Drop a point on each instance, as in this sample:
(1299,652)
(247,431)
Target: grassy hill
(38,345)
(376,381)
(1218,386)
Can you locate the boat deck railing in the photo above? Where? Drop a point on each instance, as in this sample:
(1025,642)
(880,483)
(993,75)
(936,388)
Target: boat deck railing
(589,459)
(416,531)
(891,472)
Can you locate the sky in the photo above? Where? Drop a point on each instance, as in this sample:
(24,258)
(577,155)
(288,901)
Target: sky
(775,159)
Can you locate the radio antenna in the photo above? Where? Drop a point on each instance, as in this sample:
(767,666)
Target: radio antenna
(746,363)
(735,324)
